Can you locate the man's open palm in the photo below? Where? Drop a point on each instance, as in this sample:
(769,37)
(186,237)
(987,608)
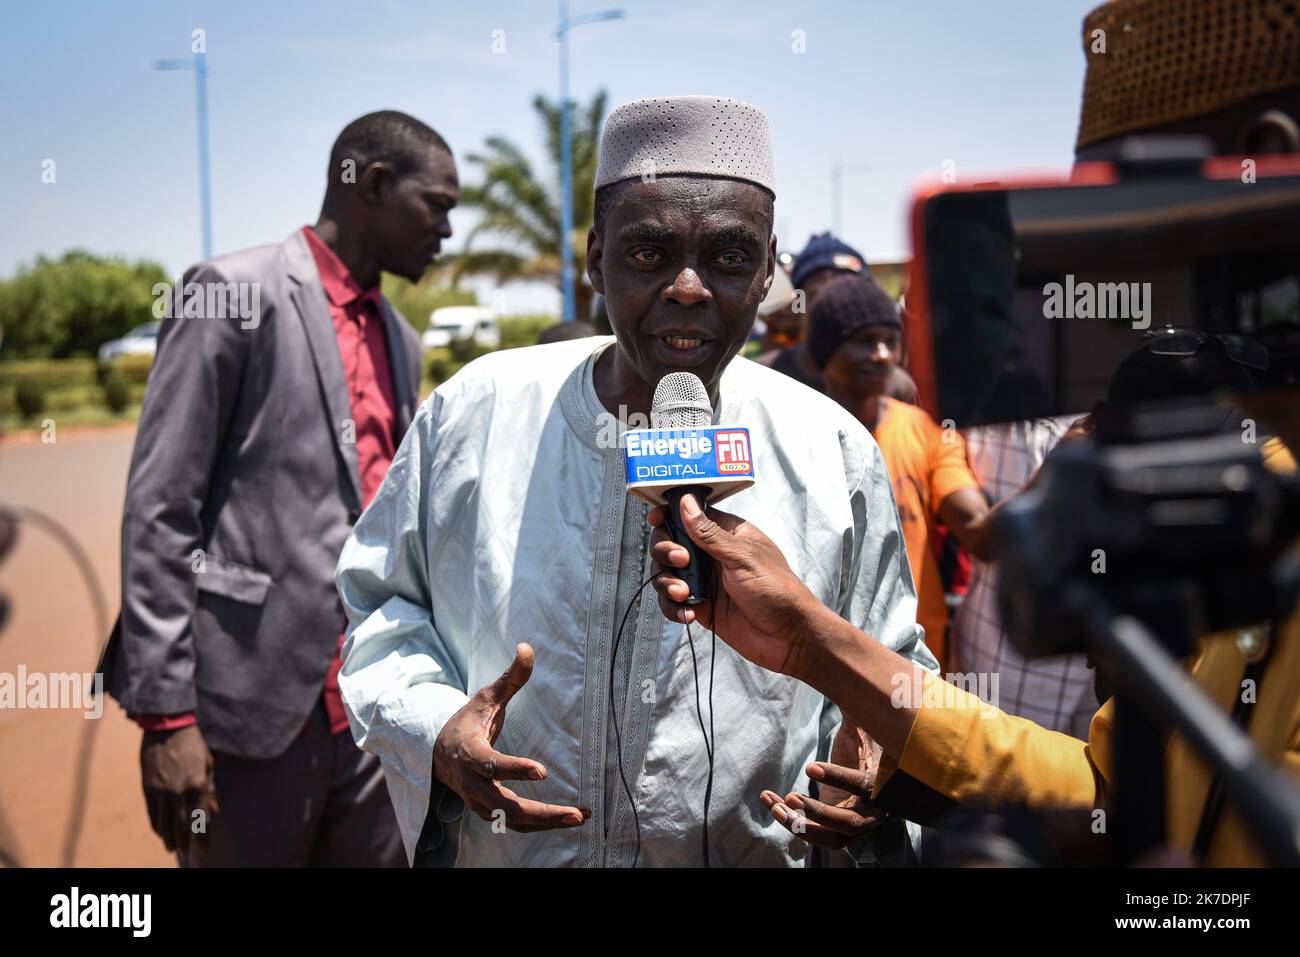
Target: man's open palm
(465,760)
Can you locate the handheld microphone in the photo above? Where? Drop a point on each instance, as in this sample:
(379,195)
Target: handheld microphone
(682,452)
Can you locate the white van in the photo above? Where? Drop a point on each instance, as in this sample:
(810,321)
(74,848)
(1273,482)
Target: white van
(140,341)
(462,322)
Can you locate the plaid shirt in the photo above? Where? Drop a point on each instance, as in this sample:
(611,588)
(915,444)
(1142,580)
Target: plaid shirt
(1056,692)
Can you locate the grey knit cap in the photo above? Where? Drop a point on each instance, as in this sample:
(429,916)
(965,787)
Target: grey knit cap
(687,135)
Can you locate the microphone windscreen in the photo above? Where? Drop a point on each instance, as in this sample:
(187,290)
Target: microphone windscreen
(681,402)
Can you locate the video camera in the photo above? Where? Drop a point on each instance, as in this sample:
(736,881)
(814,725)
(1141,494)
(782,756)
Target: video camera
(1147,301)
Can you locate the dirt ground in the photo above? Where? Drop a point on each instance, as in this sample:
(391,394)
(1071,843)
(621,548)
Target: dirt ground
(80,480)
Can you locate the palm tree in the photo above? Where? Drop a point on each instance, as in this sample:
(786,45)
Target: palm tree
(524,211)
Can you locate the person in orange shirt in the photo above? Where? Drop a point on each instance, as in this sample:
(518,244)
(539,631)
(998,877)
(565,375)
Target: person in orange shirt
(855,336)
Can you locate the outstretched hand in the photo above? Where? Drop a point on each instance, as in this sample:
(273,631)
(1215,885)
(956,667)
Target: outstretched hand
(843,810)
(465,760)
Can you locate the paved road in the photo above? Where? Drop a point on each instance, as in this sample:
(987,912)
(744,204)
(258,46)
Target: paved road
(79,480)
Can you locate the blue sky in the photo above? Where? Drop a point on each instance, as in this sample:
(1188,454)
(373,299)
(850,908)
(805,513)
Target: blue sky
(900,86)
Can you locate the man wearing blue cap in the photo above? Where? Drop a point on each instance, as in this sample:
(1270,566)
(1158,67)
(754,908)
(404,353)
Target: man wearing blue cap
(824,258)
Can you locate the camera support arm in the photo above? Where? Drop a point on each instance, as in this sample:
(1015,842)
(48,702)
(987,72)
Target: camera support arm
(1152,681)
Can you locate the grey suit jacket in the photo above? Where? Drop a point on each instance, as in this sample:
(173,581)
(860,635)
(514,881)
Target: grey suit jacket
(242,490)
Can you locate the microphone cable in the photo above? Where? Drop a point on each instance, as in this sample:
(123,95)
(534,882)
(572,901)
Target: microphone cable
(618,741)
(710,736)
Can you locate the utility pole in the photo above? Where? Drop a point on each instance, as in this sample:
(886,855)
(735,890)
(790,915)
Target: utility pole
(566,150)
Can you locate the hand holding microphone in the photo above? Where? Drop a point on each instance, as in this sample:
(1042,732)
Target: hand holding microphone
(761,609)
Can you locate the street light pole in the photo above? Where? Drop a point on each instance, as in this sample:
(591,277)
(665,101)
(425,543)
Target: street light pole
(566,172)
(205,183)
(200,67)
(566,151)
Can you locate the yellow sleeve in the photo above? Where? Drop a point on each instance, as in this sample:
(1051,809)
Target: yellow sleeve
(972,752)
(1278,457)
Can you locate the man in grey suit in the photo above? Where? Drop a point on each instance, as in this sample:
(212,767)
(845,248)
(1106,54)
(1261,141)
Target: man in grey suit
(282,385)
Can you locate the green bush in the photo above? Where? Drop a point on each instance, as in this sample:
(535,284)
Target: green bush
(67,307)
(468,349)
(30,397)
(522,330)
(51,374)
(134,369)
(68,385)
(62,401)
(440,367)
(117,393)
